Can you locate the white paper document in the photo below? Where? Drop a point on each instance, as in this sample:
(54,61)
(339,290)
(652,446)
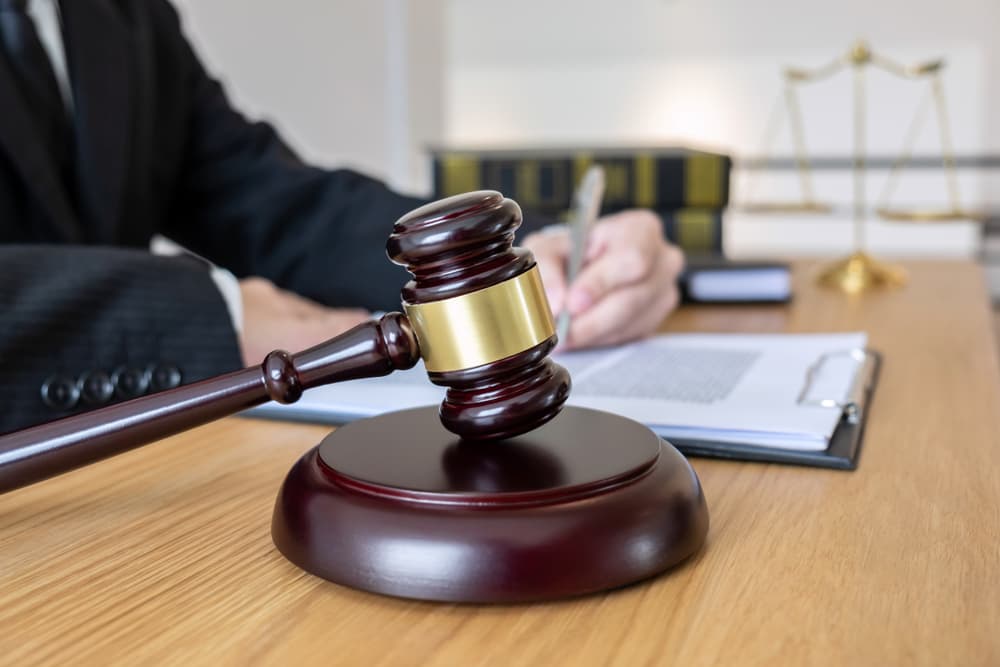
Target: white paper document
(735,388)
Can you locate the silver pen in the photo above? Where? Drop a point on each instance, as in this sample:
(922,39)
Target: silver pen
(586,208)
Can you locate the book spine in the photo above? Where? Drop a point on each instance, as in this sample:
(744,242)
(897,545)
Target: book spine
(698,231)
(545,184)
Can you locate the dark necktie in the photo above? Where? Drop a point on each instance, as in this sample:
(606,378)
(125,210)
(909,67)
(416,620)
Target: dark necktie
(37,81)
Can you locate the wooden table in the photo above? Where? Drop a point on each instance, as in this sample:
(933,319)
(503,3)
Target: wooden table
(164,554)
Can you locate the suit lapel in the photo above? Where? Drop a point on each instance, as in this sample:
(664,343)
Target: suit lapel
(22,142)
(99,54)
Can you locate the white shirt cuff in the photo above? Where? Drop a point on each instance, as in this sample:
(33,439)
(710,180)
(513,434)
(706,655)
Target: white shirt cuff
(226,282)
(229,286)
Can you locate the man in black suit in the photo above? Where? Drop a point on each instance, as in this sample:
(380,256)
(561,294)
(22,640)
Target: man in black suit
(111,131)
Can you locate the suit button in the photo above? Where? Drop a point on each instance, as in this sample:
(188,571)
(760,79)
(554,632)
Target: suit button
(96,388)
(60,393)
(130,382)
(163,376)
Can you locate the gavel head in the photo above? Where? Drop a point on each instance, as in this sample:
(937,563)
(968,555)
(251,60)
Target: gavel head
(480,315)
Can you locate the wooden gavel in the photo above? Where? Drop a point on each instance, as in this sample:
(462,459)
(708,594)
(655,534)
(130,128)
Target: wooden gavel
(476,314)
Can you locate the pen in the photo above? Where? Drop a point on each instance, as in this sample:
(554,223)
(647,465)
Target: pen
(586,208)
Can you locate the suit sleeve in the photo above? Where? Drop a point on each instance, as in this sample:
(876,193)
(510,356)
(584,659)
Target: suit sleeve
(90,316)
(248,203)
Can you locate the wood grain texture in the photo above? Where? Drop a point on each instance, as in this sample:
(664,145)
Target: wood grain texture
(163,554)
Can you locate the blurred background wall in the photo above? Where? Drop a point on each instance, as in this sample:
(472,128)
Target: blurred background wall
(371,84)
(357,83)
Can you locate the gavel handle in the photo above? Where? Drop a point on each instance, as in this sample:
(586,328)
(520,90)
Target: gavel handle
(368,350)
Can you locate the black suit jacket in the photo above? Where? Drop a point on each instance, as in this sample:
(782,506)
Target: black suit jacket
(159,150)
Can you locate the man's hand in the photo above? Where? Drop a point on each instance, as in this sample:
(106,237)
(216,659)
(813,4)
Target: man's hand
(627,285)
(276,319)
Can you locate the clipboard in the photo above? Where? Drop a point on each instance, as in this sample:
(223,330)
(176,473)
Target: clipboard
(851,404)
(844,449)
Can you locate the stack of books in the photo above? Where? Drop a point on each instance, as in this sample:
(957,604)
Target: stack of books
(688,188)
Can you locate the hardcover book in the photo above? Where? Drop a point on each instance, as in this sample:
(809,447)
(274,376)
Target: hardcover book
(543,180)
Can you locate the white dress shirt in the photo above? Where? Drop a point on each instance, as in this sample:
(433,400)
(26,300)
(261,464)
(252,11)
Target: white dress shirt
(45,14)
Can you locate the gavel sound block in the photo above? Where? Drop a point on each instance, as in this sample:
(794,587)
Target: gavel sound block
(500,495)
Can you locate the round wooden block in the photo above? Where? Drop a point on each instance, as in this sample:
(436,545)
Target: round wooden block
(397,505)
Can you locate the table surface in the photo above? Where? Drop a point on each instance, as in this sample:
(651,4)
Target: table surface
(164,554)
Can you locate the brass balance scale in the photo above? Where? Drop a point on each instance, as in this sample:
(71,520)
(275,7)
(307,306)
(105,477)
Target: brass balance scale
(860,272)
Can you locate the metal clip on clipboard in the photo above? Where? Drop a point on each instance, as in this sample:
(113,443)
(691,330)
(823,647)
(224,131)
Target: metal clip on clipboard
(853,402)
(845,444)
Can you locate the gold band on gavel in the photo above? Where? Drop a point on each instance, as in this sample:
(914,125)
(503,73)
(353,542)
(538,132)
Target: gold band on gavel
(482,326)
